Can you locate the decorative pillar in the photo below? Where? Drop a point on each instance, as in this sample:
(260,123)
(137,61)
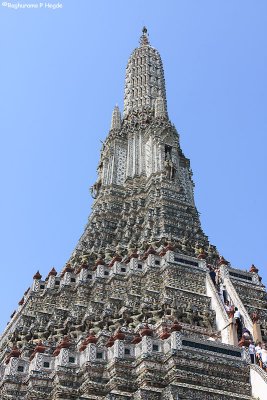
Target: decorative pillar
(233,339)
(12,366)
(118,349)
(147,345)
(256,327)
(257,332)
(63,358)
(245,355)
(51,278)
(83,273)
(37,362)
(176,341)
(66,275)
(91,352)
(36,282)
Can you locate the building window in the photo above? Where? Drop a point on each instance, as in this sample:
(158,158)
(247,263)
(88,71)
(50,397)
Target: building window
(127,352)
(89,276)
(155,347)
(99,356)
(71,360)
(42,286)
(73,280)
(57,283)
(20,368)
(139,266)
(123,269)
(157,262)
(106,273)
(46,364)
(168,152)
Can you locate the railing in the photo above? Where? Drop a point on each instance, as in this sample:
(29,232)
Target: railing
(258,379)
(238,303)
(222,319)
(260,371)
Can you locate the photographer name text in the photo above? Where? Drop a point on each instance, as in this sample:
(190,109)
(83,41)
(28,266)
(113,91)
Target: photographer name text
(40,5)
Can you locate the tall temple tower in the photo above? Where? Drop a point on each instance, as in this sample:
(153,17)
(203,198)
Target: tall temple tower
(144,191)
(144,307)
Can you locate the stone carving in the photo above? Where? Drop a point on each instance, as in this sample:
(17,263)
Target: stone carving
(121,167)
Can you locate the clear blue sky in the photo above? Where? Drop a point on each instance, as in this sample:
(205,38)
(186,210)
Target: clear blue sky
(62,72)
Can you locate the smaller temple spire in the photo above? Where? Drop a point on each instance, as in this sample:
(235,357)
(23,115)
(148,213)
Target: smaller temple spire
(116,119)
(144,37)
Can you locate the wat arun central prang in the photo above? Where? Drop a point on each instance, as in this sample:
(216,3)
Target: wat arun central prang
(144,191)
(144,308)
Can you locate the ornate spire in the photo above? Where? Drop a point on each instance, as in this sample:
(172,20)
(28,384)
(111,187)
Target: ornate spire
(116,119)
(144,80)
(140,159)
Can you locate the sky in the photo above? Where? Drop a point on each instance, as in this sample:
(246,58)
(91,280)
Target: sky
(61,73)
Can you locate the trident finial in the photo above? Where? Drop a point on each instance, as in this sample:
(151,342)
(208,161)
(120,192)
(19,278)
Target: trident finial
(144,37)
